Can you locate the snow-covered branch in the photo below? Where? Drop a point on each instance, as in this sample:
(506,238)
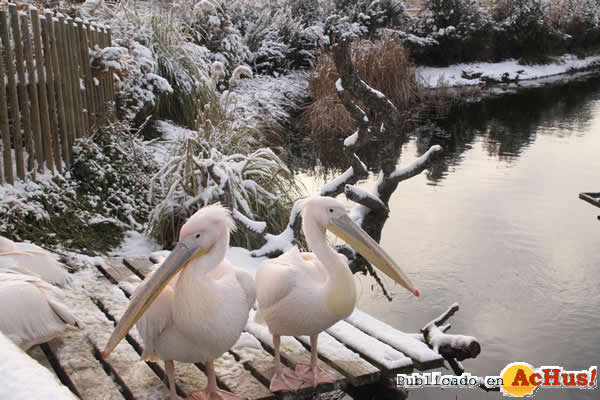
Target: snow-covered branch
(366,199)
(417,166)
(454,348)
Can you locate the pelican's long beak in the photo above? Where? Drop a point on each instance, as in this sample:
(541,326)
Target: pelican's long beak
(346,229)
(150,289)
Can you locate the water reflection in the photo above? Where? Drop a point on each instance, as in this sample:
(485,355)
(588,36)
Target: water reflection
(498,227)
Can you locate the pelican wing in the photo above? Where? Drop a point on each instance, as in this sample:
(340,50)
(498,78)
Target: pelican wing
(247,283)
(157,318)
(27,315)
(44,264)
(277,278)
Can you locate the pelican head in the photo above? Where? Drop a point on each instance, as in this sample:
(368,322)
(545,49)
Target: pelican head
(206,233)
(330,214)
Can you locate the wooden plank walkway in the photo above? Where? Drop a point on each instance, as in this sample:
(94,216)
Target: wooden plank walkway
(357,352)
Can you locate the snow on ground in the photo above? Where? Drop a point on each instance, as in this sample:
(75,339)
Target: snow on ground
(242,258)
(21,377)
(456,75)
(136,244)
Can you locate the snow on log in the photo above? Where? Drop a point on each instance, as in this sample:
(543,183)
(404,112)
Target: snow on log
(451,347)
(249,224)
(366,199)
(24,378)
(417,166)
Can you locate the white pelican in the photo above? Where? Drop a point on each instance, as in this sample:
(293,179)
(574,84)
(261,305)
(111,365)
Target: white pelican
(306,293)
(35,259)
(28,313)
(202,312)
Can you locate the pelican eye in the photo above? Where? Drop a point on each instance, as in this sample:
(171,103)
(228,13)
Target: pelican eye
(331,210)
(197,236)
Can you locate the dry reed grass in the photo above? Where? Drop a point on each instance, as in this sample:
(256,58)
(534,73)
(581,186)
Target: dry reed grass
(384,64)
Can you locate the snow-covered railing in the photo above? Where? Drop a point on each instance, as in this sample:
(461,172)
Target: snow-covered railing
(48,87)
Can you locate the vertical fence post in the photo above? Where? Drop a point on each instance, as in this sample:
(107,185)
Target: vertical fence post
(43,95)
(4,127)
(55,94)
(83,72)
(73,62)
(65,73)
(33,94)
(89,82)
(23,98)
(14,100)
(111,85)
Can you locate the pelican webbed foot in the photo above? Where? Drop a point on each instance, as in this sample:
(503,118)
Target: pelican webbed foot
(313,374)
(218,395)
(285,380)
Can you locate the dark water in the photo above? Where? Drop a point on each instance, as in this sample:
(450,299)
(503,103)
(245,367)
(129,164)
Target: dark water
(498,227)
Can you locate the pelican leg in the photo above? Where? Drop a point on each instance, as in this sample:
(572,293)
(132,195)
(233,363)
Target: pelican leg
(312,373)
(283,378)
(212,392)
(170,368)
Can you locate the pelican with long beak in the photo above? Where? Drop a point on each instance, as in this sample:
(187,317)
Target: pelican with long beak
(194,307)
(306,293)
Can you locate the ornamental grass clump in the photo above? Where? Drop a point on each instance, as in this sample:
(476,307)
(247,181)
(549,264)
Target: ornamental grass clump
(384,64)
(258,185)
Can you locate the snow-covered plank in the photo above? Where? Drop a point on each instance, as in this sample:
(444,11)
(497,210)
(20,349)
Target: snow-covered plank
(384,356)
(423,357)
(134,373)
(75,355)
(38,355)
(21,377)
(188,377)
(349,363)
(142,266)
(293,352)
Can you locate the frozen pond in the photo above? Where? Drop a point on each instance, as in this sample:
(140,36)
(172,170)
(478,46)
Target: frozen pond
(499,228)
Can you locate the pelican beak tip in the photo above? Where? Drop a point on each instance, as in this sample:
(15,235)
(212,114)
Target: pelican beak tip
(417,292)
(103,355)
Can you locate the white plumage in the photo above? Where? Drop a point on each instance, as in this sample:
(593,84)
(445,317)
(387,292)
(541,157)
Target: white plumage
(29,311)
(33,258)
(197,314)
(306,293)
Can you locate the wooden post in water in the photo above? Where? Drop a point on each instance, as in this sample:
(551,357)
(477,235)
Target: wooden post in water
(55,94)
(23,97)
(33,94)
(46,140)
(4,127)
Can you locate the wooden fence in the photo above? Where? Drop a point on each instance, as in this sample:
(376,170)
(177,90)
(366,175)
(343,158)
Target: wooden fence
(51,96)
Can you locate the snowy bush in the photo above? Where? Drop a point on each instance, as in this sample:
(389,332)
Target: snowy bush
(89,207)
(211,27)
(278,38)
(522,30)
(461,29)
(579,20)
(258,185)
(373,15)
(135,72)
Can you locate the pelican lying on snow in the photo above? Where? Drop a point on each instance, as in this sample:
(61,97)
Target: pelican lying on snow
(306,293)
(35,259)
(28,313)
(201,313)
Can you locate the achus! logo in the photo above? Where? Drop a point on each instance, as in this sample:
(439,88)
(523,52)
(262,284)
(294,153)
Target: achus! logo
(520,379)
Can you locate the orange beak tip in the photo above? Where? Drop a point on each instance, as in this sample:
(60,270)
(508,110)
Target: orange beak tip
(417,293)
(103,355)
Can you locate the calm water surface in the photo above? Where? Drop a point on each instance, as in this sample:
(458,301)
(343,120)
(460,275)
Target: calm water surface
(499,228)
